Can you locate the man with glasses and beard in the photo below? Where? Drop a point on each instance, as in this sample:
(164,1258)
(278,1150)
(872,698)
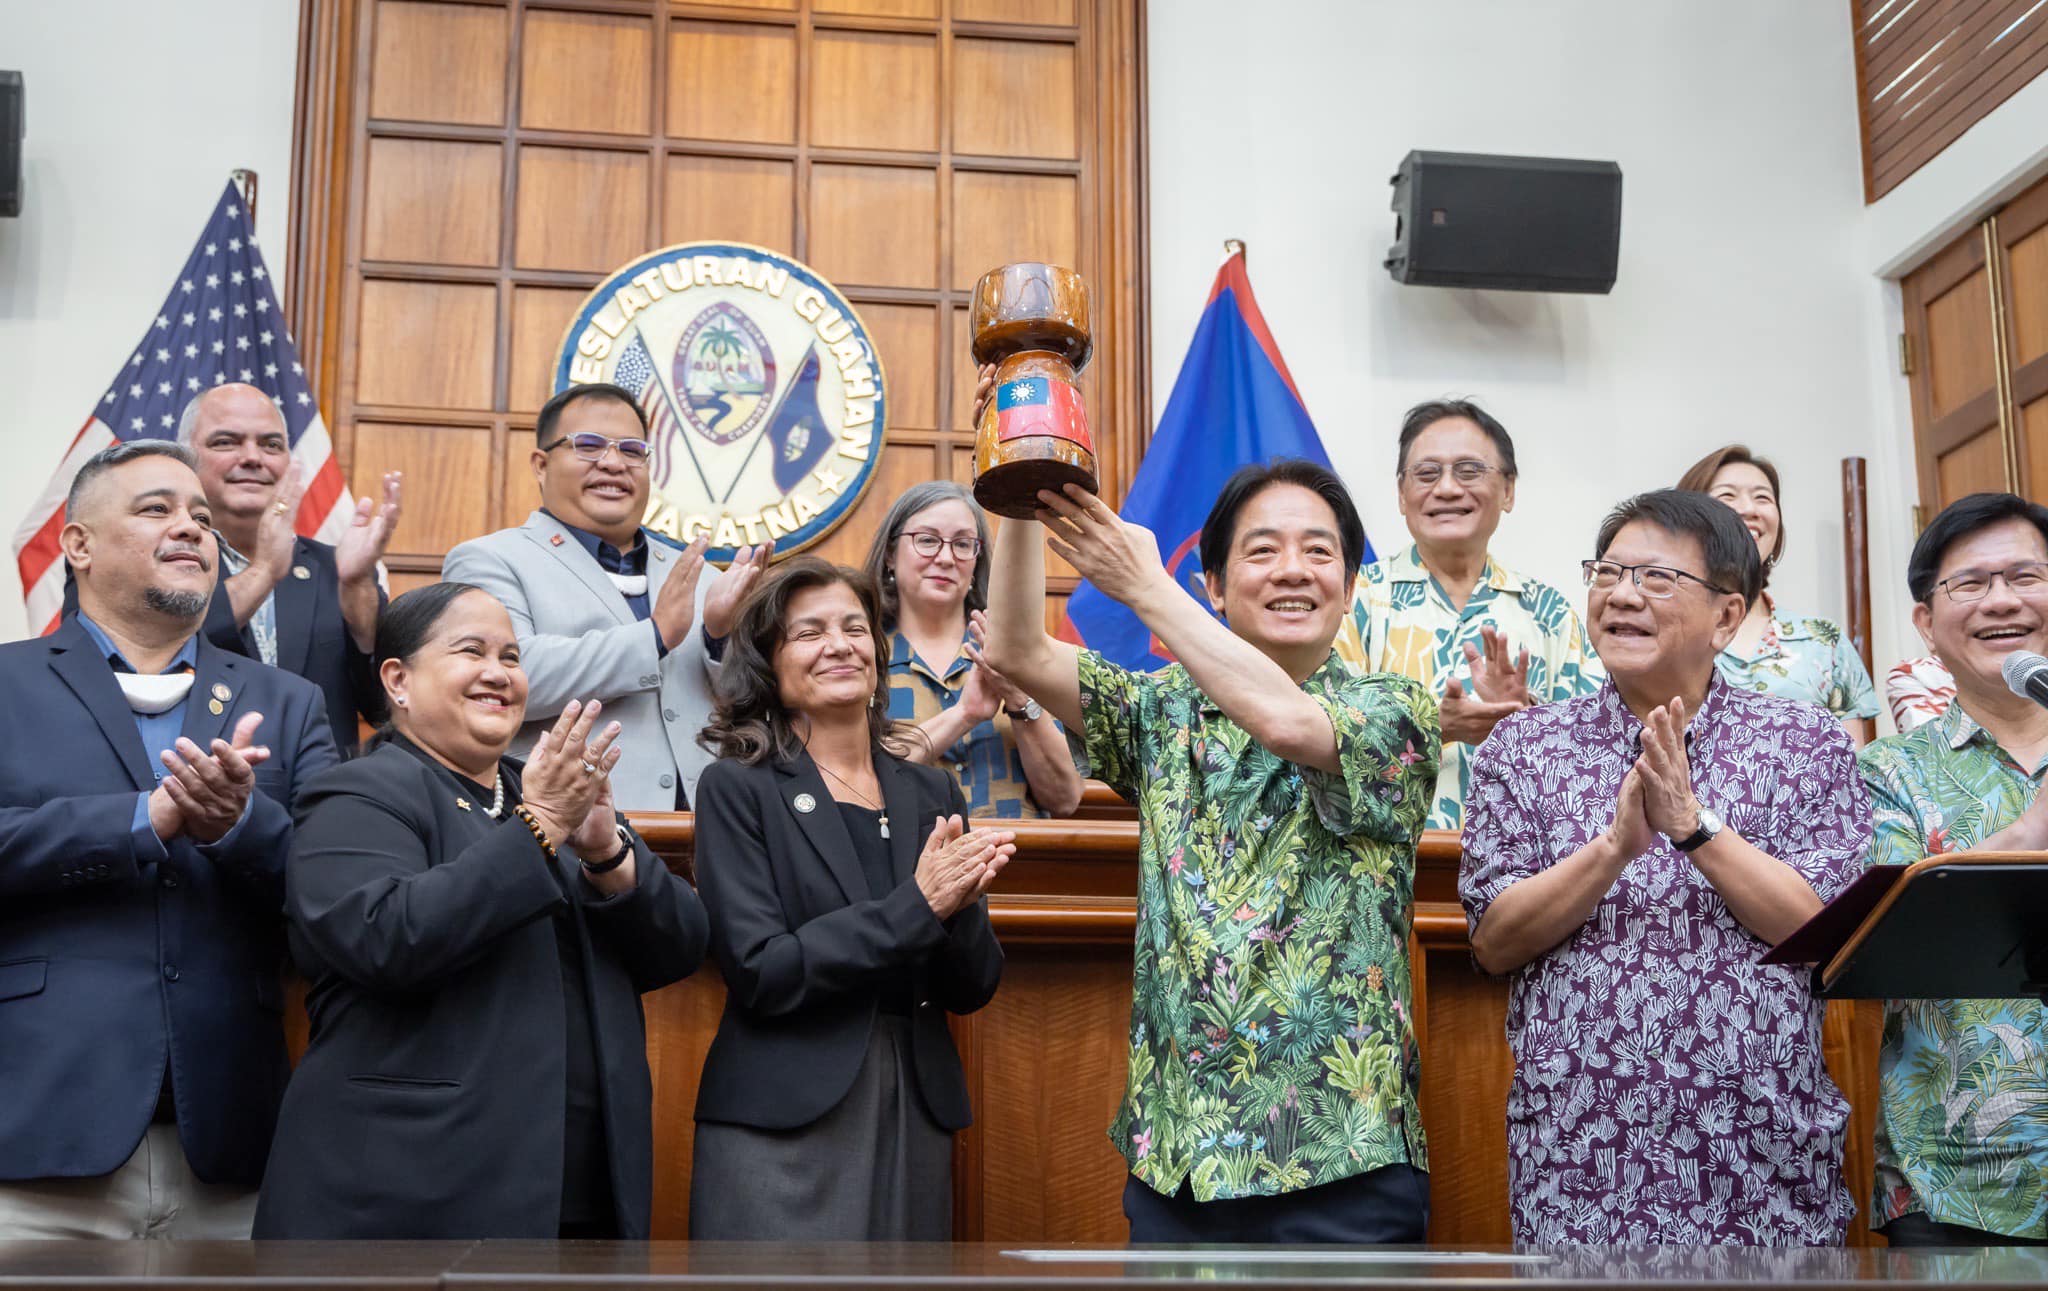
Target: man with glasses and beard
(144,820)
(1962,1129)
(604,608)
(1629,856)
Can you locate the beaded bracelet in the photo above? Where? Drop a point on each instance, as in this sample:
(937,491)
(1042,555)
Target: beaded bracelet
(533,824)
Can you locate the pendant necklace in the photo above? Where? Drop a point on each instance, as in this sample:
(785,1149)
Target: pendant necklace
(856,793)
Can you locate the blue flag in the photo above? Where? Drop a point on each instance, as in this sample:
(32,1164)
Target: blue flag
(1233,403)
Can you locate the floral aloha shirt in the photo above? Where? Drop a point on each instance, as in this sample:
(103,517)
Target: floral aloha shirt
(1962,1130)
(1272,1026)
(1401,621)
(1805,658)
(1668,1088)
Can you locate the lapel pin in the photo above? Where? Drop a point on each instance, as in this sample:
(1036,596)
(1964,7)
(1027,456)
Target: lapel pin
(462,803)
(221,692)
(805,803)
(301,572)
(215,707)
(554,540)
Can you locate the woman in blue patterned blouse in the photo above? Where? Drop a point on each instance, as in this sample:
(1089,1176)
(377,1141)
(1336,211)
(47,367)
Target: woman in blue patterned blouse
(1789,655)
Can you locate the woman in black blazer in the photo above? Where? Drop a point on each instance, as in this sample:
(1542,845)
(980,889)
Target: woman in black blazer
(477,934)
(847,917)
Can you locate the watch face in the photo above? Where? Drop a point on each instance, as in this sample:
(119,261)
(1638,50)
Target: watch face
(1710,821)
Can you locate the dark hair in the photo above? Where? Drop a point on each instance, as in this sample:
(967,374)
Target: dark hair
(1699,478)
(118,455)
(1957,521)
(405,626)
(1725,544)
(1220,529)
(1424,415)
(748,722)
(551,411)
(880,566)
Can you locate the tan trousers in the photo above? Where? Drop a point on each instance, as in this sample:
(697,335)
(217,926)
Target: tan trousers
(154,1194)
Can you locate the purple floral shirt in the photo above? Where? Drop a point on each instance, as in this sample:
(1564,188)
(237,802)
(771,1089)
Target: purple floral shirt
(1667,1087)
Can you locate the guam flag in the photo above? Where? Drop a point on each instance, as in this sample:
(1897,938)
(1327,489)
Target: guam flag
(1233,403)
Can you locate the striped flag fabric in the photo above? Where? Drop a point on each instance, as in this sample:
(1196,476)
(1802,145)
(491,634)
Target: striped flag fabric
(1233,403)
(219,322)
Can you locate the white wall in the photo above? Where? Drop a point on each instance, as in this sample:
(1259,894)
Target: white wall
(136,114)
(1745,307)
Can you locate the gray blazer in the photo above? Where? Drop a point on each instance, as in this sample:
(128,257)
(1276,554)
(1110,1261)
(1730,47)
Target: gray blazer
(578,639)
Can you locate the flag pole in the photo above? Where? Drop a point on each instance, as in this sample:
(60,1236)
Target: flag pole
(246,180)
(1233,247)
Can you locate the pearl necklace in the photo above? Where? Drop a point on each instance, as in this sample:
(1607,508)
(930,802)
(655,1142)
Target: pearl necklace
(497,807)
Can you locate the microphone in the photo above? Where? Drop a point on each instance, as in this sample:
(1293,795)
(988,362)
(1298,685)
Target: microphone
(2026,675)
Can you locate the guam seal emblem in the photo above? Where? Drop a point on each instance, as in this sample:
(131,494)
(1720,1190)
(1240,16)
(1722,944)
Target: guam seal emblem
(763,391)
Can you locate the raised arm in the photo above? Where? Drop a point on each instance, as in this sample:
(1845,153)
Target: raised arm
(1019,647)
(1122,560)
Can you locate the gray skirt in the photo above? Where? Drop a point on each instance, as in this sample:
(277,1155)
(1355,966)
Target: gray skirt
(875,1168)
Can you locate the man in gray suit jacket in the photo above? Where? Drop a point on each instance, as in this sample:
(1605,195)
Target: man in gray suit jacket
(605,609)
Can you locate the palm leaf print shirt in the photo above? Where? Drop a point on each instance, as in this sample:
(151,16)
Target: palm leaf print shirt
(1272,1045)
(1962,1129)
(1803,657)
(1668,1088)
(1402,621)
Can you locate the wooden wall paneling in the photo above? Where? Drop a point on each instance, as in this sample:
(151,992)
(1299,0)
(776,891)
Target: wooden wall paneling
(875,90)
(540,315)
(1973,465)
(906,339)
(740,199)
(874,225)
(734,81)
(435,518)
(586,72)
(1047,13)
(439,62)
(520,491)
(433,201)
(1024,100)
(1947,308)
(580,208)
(1003,216)
(2021,239)
(426,344)
(879,8)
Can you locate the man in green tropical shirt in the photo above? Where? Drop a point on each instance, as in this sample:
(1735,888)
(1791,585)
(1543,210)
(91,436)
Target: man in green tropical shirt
(1272,1089)
(1962,1132)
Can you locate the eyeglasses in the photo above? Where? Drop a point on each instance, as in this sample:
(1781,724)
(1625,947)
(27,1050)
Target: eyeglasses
(2023,579)
(926,543)
(1464,471)
(592,448)
(1658,581)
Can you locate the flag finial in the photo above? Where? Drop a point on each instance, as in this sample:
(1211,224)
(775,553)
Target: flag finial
(1233,246)
(245,179)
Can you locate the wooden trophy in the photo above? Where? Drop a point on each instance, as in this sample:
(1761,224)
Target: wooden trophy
(1031,321)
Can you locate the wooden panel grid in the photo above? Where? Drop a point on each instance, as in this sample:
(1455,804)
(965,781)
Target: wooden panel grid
(498,157)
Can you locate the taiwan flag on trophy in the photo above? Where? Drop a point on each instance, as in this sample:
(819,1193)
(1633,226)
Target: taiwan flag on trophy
(1233,403)
(219,323)
(1041,406)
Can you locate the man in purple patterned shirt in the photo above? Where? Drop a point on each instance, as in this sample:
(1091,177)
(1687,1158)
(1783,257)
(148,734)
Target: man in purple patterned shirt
(1628,857)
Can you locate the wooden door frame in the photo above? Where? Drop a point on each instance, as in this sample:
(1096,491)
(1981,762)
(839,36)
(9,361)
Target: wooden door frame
(1934,436)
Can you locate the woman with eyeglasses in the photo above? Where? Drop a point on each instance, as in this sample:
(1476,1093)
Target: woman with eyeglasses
(1795,656)
(929,562)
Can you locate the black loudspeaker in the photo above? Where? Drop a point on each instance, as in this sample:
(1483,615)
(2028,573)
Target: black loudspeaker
(1513,223)
(13,127)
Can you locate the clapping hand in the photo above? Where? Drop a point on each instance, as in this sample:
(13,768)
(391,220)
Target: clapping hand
(1668,800)
(276,532)
(675,607)
(959,865)
(369,533)
(1630,831)
(206,792)
(1495,678)
(722,603)
(568,771)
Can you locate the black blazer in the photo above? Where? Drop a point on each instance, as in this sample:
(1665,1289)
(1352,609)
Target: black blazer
(431,1099)
(801,942)
(313,640)
(116,956)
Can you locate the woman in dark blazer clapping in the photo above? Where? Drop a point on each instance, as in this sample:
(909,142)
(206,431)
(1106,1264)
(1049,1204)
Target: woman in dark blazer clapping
(477,934)
(845,897)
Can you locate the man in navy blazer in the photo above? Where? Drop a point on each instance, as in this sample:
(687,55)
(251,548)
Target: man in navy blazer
(144,793)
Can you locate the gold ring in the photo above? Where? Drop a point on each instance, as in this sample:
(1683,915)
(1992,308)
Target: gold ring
(282,508)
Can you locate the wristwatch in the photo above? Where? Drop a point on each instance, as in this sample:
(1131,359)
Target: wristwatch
(1029,713)
(1711,825)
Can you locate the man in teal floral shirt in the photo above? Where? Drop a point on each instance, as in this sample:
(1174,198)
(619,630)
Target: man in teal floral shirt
(1273,1083)
(1962,1132)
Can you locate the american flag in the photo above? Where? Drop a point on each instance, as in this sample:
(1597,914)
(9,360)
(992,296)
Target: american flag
(635,372)
(220,323)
